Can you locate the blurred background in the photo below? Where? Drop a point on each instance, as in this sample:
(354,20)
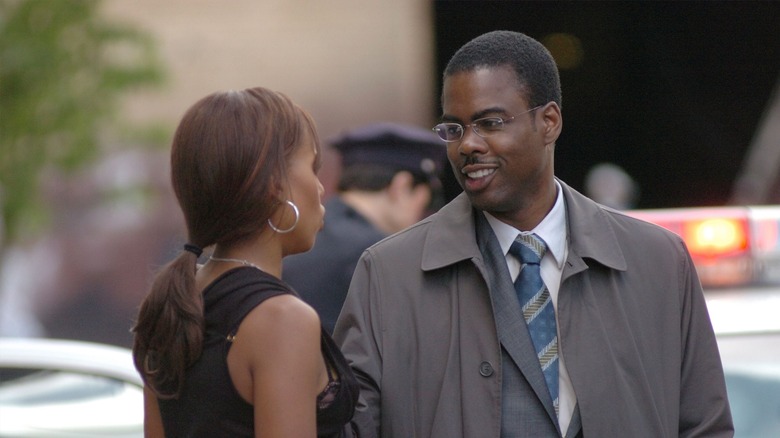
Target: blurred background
(679,98)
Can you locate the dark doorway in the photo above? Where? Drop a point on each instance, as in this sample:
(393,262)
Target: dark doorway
(670,91)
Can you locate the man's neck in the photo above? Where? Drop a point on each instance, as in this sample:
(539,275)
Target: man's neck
(370,205)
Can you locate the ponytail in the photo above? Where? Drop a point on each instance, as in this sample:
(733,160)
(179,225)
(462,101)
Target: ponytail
(170,326)
(229,155)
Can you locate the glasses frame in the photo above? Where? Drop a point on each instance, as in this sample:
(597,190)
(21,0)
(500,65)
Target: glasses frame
(474,125)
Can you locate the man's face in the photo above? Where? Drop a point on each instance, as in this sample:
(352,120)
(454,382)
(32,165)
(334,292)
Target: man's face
(510,172)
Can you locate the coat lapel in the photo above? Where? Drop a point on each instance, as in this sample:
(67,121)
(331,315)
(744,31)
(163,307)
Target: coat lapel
(452,239)
(512,330)
(575,426)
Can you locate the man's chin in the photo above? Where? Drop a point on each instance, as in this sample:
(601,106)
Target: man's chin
(479,201)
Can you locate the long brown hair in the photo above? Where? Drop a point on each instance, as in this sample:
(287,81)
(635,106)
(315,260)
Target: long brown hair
(228,165)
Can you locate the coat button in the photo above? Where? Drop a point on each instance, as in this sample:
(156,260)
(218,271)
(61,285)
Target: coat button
(486,369)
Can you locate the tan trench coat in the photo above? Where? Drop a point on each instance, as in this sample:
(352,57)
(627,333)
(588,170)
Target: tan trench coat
(418,328)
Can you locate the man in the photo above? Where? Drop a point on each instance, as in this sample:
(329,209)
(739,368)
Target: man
(388,179)
(610,185)
(435,328)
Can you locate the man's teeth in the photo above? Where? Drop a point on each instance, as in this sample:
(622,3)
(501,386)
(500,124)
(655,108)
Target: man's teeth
(480,173)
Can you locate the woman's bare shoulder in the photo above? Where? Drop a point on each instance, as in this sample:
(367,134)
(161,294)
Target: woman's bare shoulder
(281,319)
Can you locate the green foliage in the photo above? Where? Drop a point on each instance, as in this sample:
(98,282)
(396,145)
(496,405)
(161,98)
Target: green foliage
(63,69)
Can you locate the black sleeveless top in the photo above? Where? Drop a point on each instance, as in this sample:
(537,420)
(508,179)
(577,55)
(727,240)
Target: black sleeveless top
(209,405)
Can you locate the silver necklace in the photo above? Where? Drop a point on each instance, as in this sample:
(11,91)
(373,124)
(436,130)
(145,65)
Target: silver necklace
(229,260)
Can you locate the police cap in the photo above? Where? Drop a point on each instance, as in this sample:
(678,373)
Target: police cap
(393,145)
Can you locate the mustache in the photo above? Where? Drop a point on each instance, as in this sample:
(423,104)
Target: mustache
(471,159)
(475,159)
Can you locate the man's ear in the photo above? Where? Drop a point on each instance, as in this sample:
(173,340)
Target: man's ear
(400,185)
(553,122)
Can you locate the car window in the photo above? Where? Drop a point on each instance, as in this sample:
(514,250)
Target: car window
(45,403)
(751,363)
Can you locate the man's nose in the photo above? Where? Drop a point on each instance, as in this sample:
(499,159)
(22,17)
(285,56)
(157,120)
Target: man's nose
(471,142)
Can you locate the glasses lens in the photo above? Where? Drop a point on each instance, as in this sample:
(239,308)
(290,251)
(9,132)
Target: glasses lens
(488,125)
(449,131)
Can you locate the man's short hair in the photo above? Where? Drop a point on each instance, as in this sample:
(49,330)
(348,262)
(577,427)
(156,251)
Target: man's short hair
(374,177)
(534,66)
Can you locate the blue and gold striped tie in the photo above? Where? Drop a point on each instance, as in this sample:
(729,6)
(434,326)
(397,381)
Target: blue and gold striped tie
(538,308)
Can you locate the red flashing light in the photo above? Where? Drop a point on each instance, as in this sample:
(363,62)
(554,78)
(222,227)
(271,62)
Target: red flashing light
(716,236)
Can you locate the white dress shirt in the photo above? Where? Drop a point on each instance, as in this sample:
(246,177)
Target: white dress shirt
(554,232)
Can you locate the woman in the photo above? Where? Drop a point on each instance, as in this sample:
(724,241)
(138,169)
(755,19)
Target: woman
(226,348)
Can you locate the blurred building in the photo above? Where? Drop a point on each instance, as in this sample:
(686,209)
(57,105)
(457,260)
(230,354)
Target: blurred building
(348,62)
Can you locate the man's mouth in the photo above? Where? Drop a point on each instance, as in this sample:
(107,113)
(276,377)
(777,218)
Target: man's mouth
(479,173)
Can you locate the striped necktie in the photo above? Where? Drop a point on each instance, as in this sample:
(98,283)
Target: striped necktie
(538,308)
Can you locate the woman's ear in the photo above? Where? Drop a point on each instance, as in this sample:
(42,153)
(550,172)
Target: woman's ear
(279,193)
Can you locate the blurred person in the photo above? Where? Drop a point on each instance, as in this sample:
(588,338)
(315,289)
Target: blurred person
(523,308)
(18,281)
(88,290)
(610,185)
(226,347)
(388,181)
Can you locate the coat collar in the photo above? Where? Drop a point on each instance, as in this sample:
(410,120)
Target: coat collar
(452,239)
(591,233)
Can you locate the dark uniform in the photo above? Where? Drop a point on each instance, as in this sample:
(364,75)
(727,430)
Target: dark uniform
(322,276)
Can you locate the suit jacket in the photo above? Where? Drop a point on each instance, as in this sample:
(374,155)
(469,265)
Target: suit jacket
(321,276)
(521,374)
(440,350)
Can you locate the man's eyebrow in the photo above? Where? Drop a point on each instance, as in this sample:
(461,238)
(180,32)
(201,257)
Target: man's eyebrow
(477,115)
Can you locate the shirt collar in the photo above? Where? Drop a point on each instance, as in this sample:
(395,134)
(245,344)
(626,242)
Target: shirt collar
(552,229)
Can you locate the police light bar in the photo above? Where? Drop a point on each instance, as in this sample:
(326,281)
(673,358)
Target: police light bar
(729,245)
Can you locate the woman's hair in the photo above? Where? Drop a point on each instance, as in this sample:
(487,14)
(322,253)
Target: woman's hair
(229,159)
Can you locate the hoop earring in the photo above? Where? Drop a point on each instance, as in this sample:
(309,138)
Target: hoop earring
(297,217)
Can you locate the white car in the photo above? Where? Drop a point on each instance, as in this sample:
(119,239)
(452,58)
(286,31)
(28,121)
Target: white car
(56,388)
(736,251)
(747,324)
(59,388)
(51,388)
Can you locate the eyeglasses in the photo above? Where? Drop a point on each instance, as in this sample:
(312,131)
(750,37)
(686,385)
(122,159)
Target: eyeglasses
(484,127)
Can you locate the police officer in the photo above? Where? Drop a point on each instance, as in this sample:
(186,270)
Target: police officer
(389,180)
